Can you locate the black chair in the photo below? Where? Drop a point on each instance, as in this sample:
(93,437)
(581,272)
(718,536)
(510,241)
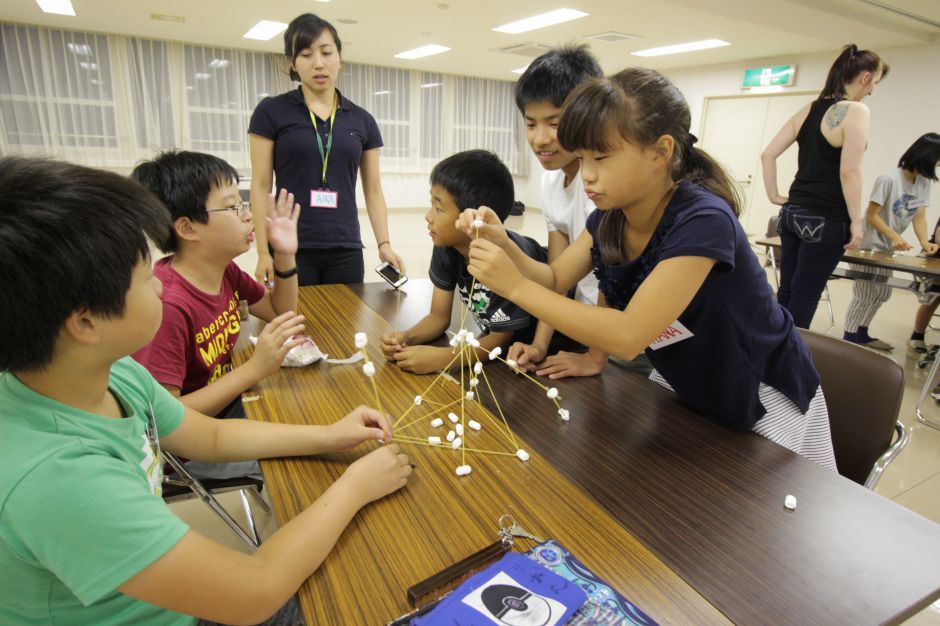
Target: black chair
(182,485)
(863,390)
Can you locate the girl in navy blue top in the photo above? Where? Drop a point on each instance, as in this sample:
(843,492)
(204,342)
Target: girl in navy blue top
(673,263)
(315,141)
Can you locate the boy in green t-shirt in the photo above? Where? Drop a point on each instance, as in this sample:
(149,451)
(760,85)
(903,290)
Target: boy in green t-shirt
(84,536)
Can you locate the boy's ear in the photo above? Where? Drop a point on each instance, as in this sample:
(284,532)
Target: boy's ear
(183,227)
(81,327)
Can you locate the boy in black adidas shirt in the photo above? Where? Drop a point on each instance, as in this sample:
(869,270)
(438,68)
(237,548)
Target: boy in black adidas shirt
(465,180)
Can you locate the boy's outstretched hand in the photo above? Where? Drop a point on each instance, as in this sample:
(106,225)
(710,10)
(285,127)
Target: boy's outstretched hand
(392,343)
(490,265)
(282,223)
(492,229)
(377,474)
(360,424)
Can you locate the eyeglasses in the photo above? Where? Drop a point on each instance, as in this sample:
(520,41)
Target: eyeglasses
(241,209)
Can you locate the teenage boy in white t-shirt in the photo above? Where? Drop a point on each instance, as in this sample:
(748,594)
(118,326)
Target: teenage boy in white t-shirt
(540,93)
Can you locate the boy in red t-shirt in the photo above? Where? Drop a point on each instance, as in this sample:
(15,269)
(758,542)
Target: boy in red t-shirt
(191,354)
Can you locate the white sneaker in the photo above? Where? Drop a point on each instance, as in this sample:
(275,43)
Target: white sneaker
(917,345)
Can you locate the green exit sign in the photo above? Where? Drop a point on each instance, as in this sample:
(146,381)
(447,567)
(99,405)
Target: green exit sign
(779,75)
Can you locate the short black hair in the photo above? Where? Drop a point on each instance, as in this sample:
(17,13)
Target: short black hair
(476,178)
(70,239)
(555,74)
(922,156)
(302,32)
(183,181)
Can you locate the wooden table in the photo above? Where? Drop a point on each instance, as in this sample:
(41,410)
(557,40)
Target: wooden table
(683,517)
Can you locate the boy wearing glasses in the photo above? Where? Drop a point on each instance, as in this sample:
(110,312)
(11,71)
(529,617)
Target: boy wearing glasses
(191,354)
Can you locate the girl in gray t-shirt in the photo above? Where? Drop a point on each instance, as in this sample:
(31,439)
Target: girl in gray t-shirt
(898,199)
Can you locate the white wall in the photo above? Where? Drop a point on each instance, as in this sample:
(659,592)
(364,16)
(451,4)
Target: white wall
(903,107)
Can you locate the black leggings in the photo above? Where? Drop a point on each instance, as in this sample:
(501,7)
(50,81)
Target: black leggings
(325,267)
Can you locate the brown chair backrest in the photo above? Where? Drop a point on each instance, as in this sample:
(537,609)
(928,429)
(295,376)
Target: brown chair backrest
(772,230)
(863,392)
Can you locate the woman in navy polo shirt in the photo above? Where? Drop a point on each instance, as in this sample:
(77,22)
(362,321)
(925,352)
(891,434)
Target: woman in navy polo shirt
(315,141)
(674,265)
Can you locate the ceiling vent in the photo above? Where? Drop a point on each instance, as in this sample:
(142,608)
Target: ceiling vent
(611,36)
(528,49)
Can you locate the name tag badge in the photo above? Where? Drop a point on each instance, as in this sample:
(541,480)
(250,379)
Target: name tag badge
(324,199)
(674,333)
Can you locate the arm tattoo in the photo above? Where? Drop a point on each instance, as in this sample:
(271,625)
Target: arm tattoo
(836,114)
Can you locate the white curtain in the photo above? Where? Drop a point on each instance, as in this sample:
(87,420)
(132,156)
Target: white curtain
(111,101)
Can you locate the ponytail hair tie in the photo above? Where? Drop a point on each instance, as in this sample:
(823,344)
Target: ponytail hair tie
(692,139)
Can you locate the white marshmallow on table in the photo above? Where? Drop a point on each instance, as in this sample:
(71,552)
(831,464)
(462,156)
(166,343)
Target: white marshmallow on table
(473,343)
(463,470)
(436,422)
(563,414)
(552,393)
(459,429)
(478,223)
(453,417)
(477,368)
(361,340)
(450,435)
(790,502)
(469,395)
(368,369)
(456,443)
(511,363)
(475,425)
(495,352)
(418,400)
(522,454)
(434,441)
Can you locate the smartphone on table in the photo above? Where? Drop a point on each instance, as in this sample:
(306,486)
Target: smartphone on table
(391,275)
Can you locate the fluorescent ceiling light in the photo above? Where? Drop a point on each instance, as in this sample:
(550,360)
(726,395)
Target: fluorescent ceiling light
(691,46)
(540,21)
(265,30)
(423,51)
(520,70)
(430,85)
(382,93)
(219,63)
(79,49)
(59,7)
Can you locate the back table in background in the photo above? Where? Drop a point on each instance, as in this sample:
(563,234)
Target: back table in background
(682,516)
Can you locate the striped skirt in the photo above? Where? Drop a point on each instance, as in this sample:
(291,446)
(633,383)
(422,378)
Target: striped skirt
(807,434)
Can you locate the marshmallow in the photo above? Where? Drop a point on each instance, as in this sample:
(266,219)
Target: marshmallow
(474,382)
(475,425)
(418,400)
(368,369)
(473,342)
(436,422)
(790,502)
(450,435)
(495,352)
(361,340)
(552,393)
(469,335)
(434,441)
(454,341)
(456,443)
(522,454)
(563,414)
(477,368)
(469,395)
(459,429)
(463,470)
(511,363)
(478,223)
(453,417)
(462,333)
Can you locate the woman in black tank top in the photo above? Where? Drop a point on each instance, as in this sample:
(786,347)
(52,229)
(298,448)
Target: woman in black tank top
(822,216)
